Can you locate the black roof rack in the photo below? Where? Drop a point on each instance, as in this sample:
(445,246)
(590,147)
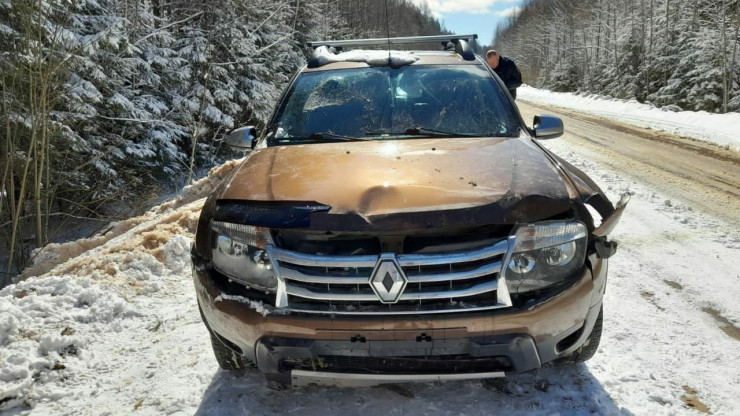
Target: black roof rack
(461,42)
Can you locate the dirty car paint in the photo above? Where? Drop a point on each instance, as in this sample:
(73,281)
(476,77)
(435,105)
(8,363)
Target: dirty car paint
(415,183)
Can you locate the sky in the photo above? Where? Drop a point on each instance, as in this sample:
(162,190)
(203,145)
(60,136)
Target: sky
(472,16)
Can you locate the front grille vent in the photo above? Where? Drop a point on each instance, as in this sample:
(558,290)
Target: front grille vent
(434,283)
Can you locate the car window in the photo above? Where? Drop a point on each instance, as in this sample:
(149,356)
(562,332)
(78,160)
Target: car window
(385,102)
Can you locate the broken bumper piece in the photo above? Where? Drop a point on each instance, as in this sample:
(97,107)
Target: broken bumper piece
(303,362)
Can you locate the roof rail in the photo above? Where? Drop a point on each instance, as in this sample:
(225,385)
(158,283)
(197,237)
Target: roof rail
(392,41)
(461,42)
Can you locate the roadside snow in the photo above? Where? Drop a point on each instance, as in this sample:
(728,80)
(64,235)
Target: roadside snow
(720,129)
(674,274)
(87,309)
(47,258)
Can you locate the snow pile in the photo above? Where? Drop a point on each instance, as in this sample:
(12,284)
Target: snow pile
(61,331)
(202,188)
(52,255)
(720,129)
(372,58)
(87,307)
(43,355)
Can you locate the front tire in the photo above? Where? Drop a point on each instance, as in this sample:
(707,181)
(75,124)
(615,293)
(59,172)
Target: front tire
(586,351)
(227,358)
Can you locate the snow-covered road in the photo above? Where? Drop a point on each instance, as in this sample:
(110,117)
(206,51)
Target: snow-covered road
(115,329)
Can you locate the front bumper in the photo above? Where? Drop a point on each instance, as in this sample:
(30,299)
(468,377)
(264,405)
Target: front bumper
(303,349)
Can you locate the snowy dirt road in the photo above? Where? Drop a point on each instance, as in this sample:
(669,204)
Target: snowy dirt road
(115,330)
(704,175)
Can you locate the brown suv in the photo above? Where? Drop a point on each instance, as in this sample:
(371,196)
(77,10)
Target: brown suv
(397,221)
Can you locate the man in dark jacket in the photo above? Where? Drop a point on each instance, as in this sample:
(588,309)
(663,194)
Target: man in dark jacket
(506,69)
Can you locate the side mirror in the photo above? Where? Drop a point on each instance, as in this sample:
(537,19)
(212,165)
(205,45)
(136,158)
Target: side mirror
(547,127)
(242,139)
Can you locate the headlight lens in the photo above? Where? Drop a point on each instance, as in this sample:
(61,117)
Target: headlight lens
(238,251)
(560,255)
(545,254)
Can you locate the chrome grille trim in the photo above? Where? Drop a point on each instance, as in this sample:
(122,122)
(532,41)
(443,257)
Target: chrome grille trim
(322,261)
(384,310)
(436,259)
(336,296)
(298,276)
(490,268)
(472,291)
(370,297)
(319,280)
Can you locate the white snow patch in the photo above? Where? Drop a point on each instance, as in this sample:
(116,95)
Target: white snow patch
(176,254)
(372,58)
(41,354)
(258,306)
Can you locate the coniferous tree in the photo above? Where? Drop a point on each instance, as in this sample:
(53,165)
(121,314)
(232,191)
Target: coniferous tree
(669,52)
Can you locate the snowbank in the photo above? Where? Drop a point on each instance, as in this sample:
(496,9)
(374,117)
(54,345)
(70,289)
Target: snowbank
(60,324)
(53,255)
(721,129)
(40,345)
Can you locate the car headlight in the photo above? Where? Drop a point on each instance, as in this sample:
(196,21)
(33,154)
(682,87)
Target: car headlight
(545,254)
(239,252)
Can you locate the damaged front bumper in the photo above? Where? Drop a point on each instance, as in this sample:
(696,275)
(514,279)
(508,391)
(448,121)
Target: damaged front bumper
(303,362)
(304,349)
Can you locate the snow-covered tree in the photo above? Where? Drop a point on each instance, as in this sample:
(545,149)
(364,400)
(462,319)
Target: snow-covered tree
(668,52)
(107,101)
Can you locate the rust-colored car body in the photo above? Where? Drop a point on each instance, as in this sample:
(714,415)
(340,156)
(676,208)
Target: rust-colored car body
(393,190)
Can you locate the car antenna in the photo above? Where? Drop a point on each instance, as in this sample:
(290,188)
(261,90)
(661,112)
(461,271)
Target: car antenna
(388,31)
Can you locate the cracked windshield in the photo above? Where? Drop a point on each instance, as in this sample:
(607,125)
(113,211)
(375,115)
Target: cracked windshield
(413,101)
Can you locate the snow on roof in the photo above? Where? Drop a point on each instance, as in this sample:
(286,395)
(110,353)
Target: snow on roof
(370,57)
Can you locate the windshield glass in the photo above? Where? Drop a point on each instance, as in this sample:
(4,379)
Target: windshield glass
(378,103)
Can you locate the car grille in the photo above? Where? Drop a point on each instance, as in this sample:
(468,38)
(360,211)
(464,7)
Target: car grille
(436,283)
(400,365)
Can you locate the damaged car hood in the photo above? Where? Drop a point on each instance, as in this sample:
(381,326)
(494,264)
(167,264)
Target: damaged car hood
(382,177)
(412,183)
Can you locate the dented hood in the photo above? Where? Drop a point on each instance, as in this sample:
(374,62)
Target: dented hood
(383,177)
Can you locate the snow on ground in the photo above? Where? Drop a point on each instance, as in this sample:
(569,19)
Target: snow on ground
(720,129)
(114,330)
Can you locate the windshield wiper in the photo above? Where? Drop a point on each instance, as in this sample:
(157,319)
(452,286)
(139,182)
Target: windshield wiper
(420,131)
(324,135)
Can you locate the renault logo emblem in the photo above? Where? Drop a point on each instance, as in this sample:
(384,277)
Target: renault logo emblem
(388,280)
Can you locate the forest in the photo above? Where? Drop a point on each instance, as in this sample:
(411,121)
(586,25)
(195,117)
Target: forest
(676,54)
(106,102)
